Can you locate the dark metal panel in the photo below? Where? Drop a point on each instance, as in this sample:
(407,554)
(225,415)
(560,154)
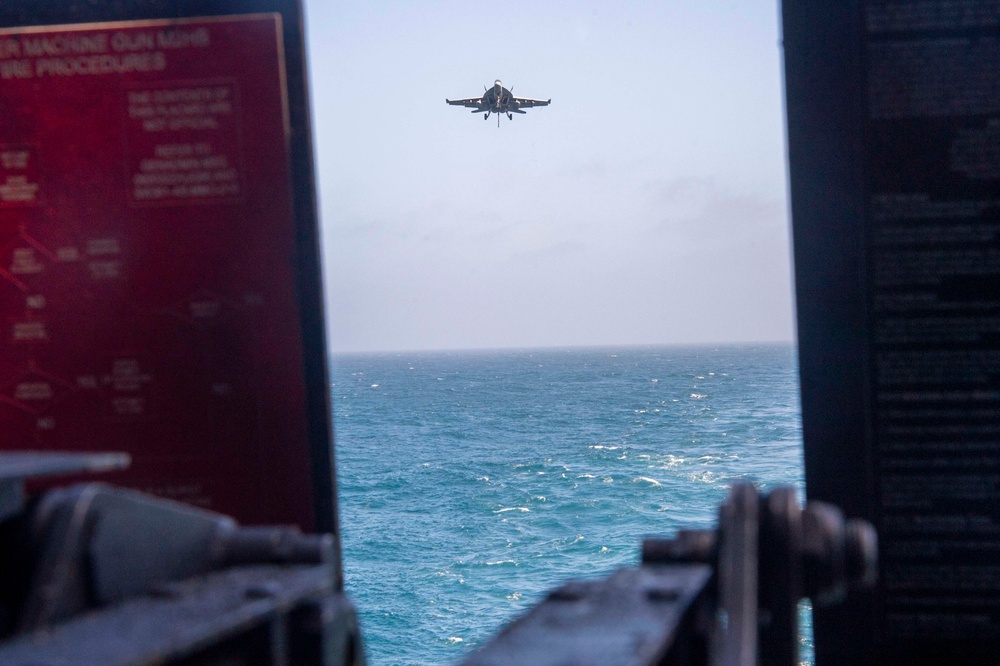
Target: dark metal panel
(891,110)
(824,106)
(181,619)
(632,618)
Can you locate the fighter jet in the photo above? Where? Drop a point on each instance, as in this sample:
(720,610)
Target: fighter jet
(498,100)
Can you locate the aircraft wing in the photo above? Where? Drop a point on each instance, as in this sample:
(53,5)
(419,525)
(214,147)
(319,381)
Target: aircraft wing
(471,102)
(527,102)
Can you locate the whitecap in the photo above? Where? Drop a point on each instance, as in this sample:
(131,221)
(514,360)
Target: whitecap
(455,639)
(579,538)
(646,479)
(586,476)
(698,396)
(673,461)
(483,478)
(522,509)
(605,549)
(654,380)
(601,447)
(607,479)
(374,385)
(540,498)
(514,596)
(492,564)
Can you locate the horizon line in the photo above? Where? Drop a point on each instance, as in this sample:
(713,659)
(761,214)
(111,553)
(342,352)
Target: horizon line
(568,347)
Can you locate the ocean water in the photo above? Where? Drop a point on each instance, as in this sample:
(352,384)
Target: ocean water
(471,482)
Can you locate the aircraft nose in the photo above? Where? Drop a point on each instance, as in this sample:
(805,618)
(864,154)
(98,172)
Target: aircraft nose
(498,84)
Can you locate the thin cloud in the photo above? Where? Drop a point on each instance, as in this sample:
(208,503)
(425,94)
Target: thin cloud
(700,208)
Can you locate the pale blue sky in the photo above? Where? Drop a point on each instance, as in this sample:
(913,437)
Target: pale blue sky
(646,205)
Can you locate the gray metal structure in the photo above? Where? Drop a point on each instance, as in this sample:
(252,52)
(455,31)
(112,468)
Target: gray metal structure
(724,597)
(498,100)
(93,575)
(99,576)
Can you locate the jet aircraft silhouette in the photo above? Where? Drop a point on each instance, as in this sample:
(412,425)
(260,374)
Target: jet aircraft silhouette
(498,100)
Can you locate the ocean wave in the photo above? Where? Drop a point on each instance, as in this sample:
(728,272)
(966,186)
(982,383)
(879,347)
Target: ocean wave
(474,436)
(673,461)
(717,458)
(646,479)
(707,477)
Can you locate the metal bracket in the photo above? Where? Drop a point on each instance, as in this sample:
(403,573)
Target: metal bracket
(766,554)
(96,575)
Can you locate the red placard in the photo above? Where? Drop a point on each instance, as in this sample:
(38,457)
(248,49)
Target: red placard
(147,244)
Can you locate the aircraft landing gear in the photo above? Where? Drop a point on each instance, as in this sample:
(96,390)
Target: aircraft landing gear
(485,116)
(510,116)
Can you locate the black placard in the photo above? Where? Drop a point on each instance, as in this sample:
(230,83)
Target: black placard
(894,153)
